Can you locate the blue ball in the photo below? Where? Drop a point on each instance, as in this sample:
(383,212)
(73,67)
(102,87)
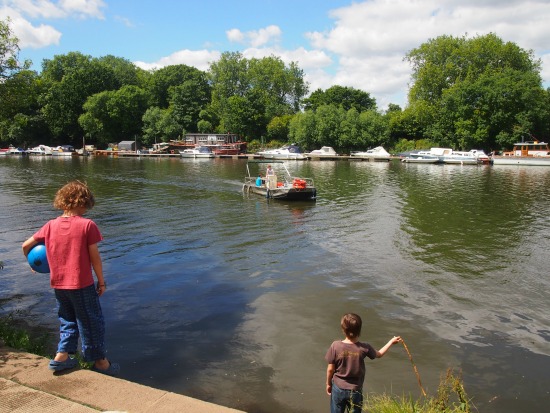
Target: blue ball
(37,259)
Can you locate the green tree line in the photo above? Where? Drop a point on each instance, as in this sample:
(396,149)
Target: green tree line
(464,93)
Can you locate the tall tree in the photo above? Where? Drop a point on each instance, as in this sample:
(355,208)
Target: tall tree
(163,80)
(114,115)
(479,92)
(261,89)
(71,79)
(9,52)
(346,97)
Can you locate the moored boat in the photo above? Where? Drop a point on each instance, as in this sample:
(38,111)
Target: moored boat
(375,154)
(324,152)
(40,150)
(278,185)
(287,152)
(12,150)
(460,158)
(197,152)
(531,153)
(420,158)
(64,150)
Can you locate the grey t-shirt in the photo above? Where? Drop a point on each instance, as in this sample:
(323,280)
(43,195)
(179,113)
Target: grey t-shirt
(348,359)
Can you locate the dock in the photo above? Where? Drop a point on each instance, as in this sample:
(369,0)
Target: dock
(248,156)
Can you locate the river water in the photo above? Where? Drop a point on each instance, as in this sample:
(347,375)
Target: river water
(235,299)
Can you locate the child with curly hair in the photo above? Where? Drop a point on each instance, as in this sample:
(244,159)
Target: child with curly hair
(71,248)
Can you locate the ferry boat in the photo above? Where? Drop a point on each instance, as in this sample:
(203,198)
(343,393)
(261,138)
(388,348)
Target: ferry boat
(279,184)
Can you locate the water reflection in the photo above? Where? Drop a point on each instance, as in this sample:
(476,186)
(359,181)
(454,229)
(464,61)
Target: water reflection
(234,299)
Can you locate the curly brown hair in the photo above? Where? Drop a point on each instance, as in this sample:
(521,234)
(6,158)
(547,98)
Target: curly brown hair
(74,194)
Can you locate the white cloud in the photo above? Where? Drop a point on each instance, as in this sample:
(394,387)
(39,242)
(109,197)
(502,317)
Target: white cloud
(56,10)
(200,59)
(83,8)
(370,39)
(255,38)
(21,12)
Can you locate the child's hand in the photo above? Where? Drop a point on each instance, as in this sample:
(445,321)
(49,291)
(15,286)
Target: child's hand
(101,288)
(329,389)
(396,339)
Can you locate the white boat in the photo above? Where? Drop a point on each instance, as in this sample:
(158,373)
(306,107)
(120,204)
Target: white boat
(376,154)
(460,158)
(278,185)
(324,152)
(532,153)
(64,150)
(197,152)
(286,152)
(40,150)
(12,150)
(420,158)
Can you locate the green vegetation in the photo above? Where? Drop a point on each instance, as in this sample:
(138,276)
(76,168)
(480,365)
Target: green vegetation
(16,334)
(465,93)
(19,337)
(451,398)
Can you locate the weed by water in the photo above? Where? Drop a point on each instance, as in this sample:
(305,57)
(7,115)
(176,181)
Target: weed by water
(451,397)
(19,338)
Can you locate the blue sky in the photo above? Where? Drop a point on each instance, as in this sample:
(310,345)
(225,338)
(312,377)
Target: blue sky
(356,43)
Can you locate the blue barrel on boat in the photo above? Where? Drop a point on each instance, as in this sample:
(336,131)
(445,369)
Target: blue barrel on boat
(259,181)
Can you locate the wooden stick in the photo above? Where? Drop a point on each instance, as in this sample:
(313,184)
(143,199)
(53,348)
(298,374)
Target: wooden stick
(414,368)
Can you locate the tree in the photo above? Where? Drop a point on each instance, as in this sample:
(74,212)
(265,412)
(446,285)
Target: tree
(164,80)
(125,72)
(187,100)
(70,80)
(9,52)
(479,92)
(20,118)
(346,97)
(259,89)
(115,115)
(159,125)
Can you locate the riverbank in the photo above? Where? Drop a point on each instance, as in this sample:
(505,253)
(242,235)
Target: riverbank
(27,385)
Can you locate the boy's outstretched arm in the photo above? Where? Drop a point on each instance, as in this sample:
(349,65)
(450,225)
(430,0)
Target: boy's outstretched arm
(383,350)
(330,373)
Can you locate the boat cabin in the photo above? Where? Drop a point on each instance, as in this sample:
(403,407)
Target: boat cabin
(533,148)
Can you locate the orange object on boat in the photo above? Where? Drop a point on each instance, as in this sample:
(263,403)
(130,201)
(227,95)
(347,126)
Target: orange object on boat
(299,183)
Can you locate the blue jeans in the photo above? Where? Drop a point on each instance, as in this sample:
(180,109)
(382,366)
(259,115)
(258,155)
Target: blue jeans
(80,315)
(340,400)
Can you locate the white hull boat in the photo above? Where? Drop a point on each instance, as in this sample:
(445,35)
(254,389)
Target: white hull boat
(198,152)
(375,154)
(289,152)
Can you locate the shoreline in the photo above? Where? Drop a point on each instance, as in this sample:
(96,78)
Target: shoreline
(28,385)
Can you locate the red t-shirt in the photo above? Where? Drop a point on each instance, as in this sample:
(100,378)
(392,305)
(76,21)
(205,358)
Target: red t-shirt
(348,359)
(67,240)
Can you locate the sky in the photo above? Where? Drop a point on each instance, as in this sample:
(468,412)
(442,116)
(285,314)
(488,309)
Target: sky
(353,43)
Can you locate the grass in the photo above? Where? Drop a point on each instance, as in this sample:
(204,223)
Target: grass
(18,335)
(451,397)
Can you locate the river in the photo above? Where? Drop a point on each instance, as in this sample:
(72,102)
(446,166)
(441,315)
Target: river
(235,299)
